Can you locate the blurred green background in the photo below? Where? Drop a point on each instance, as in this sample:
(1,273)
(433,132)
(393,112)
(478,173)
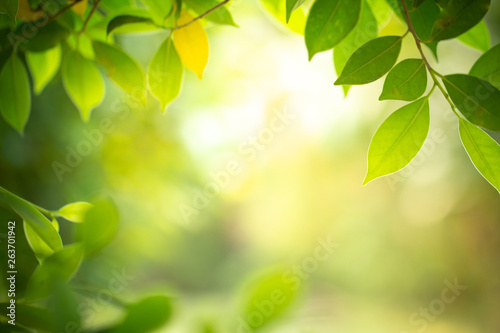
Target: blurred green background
(399,238)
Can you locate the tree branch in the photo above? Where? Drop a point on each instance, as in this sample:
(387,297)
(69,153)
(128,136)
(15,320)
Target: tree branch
(432,72)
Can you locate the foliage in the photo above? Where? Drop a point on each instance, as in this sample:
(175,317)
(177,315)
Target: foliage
(39,38)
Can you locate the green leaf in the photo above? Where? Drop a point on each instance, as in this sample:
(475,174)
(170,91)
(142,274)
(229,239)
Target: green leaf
(458,16)
(483,151)
(329,22)
(5,47)
(271,292)
(291,6)
(221,15)
(442,3)
(122,20)
(48,37)
(43,66)
(99,226)
(365,30)
(147,315)
(371,61)
(74,212)
(39,223)
(159,10)
(433,46)
(398,140)
(66,308)
(477,37)
(476,99)
(37,244)
(9,7)
(406,81)
(60,266)
(417,3)
(423,18)
(165,73)
(15,96)
(33,316)
(122,69)
(397,8)
(83,83)
(487,67)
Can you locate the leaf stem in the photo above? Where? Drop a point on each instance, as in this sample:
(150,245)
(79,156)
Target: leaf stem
(434,74)
(201,16)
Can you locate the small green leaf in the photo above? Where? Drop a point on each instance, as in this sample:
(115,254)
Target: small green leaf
(329,22)
(37,244)
(476,99)
(165,73)
(291,6)
(365,30)
(273,292)
(477,37)
(398,140)
(220,16)
(406,81)
(9,7)
(147,315)
(457,17)
(39,223)
(74,212)
(122,69)
(433,46)
(277,8)
(15,97)
(371,61)
(122,20)
(483,151)
(43,66)
(83,83)
(423,18)
(99,226)
(487,67)
(60,266)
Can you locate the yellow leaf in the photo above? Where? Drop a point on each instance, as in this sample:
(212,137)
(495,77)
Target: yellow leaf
(25,13)
(80,7)
(191,43)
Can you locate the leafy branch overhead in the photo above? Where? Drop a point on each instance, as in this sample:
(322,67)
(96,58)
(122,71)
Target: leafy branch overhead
(37,38)
(473,97)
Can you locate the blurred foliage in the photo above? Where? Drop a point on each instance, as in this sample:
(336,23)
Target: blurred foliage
(220,215)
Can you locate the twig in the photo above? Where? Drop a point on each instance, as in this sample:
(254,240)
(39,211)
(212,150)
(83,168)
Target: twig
(41,23)
(94,7)
(201,16)
(432,72)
